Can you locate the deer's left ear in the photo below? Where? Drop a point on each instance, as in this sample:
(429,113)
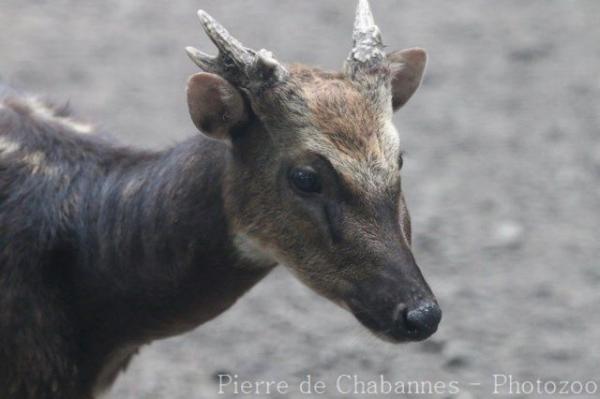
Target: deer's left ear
(407,72)
(216,107)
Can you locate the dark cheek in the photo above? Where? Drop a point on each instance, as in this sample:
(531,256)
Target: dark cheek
(333,217)
(406,227)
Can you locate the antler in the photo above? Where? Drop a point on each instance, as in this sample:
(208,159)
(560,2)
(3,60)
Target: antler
(368,47)
(240,65)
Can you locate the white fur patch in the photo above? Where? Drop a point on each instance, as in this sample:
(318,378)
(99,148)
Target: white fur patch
(36,160)
(79,127)
(8,146)
(253,251)
(132,187)
(390,142)
(43,111)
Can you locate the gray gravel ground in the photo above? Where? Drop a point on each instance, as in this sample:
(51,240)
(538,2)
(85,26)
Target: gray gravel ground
(502,177)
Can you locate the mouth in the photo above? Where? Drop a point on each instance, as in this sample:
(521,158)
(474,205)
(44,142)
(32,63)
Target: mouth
(398,325)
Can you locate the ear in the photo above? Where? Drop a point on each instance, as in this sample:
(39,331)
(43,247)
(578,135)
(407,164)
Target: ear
(215,105)
(407,72)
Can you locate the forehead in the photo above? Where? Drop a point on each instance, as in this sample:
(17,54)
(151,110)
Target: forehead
(352,128)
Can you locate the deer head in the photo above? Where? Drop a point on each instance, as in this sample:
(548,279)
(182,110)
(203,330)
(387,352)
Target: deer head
(313,176)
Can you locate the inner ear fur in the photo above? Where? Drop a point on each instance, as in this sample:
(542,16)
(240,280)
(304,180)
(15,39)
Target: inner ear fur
(215,106)
(407,68)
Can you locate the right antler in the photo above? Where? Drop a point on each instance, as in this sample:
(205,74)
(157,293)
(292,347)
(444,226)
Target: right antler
(367,50)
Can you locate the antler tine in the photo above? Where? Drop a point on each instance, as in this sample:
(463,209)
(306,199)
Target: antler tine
(228,45)
(204,61)
(367,46)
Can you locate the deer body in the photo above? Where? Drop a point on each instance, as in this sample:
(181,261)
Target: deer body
(133,246)
(104,249)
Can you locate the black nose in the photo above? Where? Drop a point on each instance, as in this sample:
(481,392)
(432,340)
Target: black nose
(422,321)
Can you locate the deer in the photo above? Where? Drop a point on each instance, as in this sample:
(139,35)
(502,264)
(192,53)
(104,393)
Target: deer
(105,248)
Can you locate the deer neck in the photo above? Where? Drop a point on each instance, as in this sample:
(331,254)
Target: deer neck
(164,235)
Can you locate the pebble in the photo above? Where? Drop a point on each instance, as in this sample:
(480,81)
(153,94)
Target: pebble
(461,395)
(464,395)
(458,355)
(507,233)
(433,345)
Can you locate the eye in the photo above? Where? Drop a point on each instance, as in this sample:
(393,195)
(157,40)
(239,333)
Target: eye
(305,179)
(400,160)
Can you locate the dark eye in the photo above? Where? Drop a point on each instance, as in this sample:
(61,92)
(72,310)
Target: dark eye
(400,160)
(305,180)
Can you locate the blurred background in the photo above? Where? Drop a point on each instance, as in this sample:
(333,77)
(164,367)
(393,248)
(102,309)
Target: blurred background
(502,177)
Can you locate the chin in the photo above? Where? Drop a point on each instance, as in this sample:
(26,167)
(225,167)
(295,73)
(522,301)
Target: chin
(392,331)
(399,338)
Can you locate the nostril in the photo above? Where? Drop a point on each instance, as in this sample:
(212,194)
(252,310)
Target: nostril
(423,320)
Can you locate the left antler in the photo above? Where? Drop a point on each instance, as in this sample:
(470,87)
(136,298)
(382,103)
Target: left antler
(240,65)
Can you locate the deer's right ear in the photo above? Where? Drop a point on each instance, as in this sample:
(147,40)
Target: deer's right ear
(407,72)
(215,105)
